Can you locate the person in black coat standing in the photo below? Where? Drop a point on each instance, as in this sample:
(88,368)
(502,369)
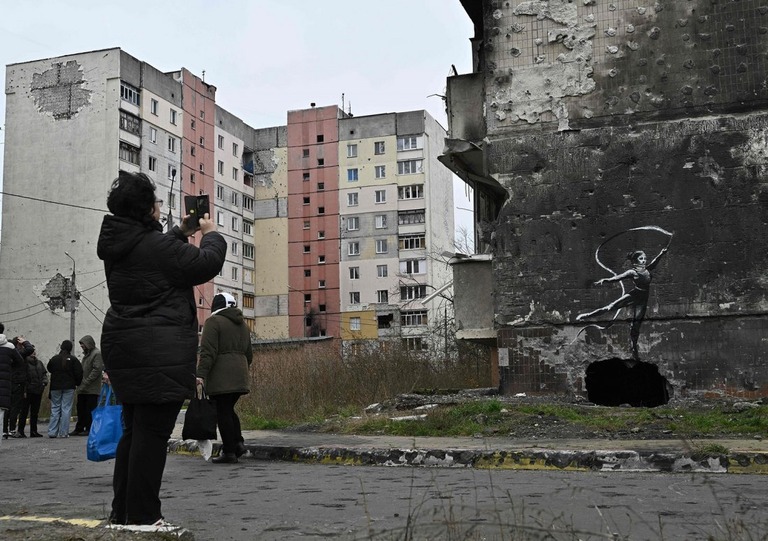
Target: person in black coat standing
(66,374)
(150,336)
(9,357)
(37,381)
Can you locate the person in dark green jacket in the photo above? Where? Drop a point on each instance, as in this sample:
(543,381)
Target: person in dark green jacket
(225,356)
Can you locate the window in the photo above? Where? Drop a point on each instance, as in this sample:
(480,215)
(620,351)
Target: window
(129,93)
(220,218)
(382,295)
(171,171)
(171,144)
(202,141)
(353,248)
(354,297)
(248,300)
(202,167)
(202,117)
(351,151)
(221,141)
(174,114)
(192,178)
(321,210)
(353,223)
(380,196)
(381,221)
(352,175)
(413,266)
(321,284)
(248,202)
(411,242)
(381,271)
(378,147)
(409,293)
(321,308)
(219,192)
(321,260)
(220,167)
(234,173)
(306,248)
(305,200)
(247,227)
(354,324)
(354,273)
(381,246)
(410,217)
(235,223)
(153,135)
(305,153)
(413,318)
(234,272)
(320,162)
(129,153)
(321,235)
(352,199)
(415,343)
(234,198)
(307,298)
(409,167)
(320,138)
(410,142)
(414,191)
(192,150)
(130,123)
(234,248)
(307,273)
(153,106)
(306,224)
(192,123)
(248,251)
(152,163)
(381,171)
(235,149)
(171,200)
(305,177)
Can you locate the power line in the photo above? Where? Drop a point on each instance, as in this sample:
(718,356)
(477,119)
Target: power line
(53,202)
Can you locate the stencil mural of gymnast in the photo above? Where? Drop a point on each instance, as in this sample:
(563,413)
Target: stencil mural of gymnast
(637,298)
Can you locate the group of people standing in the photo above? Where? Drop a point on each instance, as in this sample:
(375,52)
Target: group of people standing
(24,378)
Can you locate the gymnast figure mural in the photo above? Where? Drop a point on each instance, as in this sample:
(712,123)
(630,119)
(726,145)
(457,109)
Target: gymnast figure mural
(637,298)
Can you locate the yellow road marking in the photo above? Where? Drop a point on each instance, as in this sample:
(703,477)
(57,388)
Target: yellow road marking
(88,523)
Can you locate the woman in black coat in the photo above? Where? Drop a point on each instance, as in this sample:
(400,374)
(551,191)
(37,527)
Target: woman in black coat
(149,338)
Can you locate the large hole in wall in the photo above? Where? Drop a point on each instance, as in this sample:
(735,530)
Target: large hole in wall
(615,381)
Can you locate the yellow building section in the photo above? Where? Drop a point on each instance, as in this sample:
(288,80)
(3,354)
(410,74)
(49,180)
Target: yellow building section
(360,325)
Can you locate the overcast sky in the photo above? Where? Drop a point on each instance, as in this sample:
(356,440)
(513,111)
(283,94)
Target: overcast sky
(266,57)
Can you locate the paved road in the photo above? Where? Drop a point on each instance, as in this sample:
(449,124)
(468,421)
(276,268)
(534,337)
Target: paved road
(282,500)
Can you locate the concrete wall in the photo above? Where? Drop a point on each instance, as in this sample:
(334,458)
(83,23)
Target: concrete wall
(608,123)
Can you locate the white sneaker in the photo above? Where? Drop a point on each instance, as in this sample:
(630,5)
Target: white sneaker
(161,525)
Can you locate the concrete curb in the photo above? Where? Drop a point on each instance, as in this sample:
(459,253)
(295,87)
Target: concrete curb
(528,459)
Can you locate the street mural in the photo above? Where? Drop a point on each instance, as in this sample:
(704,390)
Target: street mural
(635,299)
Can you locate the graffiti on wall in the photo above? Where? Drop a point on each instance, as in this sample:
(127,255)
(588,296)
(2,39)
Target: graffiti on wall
(636,299)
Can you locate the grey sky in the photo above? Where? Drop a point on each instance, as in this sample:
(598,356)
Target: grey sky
(266,57)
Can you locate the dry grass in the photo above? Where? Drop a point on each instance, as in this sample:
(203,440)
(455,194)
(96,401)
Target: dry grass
(302,384)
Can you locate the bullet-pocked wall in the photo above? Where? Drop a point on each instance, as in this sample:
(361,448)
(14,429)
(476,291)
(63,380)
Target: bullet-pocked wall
(620,127)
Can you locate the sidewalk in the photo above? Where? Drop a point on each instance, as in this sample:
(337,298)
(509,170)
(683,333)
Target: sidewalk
(672,456)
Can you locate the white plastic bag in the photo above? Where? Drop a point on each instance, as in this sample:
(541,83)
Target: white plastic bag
(206,448)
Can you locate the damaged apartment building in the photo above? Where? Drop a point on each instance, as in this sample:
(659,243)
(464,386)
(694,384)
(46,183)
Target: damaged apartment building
(617,152)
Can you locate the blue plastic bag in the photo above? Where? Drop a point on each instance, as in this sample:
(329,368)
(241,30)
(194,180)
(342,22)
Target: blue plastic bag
(106,428)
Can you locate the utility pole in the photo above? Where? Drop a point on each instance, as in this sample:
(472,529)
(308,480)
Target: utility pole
(72,301)
(170,195)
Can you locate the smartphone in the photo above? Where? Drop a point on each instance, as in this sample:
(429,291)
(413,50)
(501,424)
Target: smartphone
(197,206)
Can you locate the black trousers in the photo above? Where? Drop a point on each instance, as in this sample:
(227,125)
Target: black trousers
(86,403)
(140,461)
(14,412)
(228,421)
(31,408)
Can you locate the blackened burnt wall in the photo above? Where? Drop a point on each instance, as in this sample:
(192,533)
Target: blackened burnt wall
(616,123)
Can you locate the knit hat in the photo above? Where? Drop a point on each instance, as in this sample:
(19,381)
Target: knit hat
(66,345)
(222,300)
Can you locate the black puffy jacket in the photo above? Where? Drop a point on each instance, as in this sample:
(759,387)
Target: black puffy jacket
(9,358)
(149,338)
